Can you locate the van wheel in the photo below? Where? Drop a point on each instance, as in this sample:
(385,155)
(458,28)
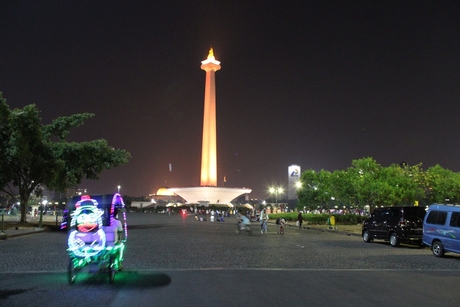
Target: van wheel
(394,240)
(437,249)
(366,237)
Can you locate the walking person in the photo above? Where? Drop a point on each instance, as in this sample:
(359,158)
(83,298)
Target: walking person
(118,238)
(282,222)
(263,221)
(300,219)
(118,224)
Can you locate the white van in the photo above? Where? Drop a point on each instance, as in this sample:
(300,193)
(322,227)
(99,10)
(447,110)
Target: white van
(441,229)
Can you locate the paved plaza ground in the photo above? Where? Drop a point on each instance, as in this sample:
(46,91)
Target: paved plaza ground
(175,260)
(13,228)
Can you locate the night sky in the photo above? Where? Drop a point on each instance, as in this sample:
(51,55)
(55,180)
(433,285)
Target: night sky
(312,83)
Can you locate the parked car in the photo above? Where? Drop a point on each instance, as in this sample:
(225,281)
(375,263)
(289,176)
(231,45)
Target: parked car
(395,224)
(441,229)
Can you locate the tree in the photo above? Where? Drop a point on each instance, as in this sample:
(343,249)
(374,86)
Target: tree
(344,187)
(33,155)
(316,189)
(365,173)
(368,183)
(406,180)
(444,185)
(308,194)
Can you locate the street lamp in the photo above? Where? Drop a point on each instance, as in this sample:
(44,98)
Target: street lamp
(42,207)
(276,191)
(298,184)
(119,187)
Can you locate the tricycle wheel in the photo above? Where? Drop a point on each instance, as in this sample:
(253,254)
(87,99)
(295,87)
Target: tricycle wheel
(248,231)
(71,272)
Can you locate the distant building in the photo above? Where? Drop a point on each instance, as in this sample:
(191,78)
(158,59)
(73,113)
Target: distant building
(162,197)
(294,172)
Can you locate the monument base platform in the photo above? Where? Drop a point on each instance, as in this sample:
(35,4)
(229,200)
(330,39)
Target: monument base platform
(209,195)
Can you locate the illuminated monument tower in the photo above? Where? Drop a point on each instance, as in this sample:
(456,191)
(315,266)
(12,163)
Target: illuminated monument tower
(209,192)
(209,147)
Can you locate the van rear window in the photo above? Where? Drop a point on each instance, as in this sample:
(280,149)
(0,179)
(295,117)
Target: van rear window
(455,219)
(414,211)
(437,217)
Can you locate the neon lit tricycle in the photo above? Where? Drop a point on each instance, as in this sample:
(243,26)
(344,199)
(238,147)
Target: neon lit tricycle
(97,234)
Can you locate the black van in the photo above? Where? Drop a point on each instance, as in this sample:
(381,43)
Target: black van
(395,224)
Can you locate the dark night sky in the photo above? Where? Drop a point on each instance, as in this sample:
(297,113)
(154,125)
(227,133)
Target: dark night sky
(312,83)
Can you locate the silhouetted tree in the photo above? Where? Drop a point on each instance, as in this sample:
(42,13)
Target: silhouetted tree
(34,155)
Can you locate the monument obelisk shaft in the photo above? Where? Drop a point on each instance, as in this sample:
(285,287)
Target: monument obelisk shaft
(208,193)
(209,145)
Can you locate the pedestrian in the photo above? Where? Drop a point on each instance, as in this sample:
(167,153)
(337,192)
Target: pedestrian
(117,223)
(263,221)
(118,238)
(212,215)
(243,221)
(300,219)
(282,222)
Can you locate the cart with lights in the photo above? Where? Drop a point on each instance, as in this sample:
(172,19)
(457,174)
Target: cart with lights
(97,234)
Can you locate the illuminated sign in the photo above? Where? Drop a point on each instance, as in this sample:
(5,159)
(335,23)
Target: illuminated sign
(87,237)
(294,171)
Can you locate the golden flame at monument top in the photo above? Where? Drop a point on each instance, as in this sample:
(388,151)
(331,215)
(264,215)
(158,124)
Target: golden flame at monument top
(211,58)
(211,54)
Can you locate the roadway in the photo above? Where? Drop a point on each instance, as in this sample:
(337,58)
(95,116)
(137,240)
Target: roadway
(175,260)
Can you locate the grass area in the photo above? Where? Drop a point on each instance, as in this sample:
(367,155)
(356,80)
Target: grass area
(321,219)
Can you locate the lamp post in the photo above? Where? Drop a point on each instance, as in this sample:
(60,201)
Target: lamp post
(298,187)
(276,191)
(42,207)
(2,233)
(119,187)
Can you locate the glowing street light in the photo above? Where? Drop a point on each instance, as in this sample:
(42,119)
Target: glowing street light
(119,187)
(42,208)
(298,184)
(276,191)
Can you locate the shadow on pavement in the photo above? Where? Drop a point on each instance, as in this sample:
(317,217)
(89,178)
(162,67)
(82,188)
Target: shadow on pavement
(123,279)
(4,294)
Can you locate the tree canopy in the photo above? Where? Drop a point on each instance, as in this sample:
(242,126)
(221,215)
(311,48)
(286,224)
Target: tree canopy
(33,155)
(366,182)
